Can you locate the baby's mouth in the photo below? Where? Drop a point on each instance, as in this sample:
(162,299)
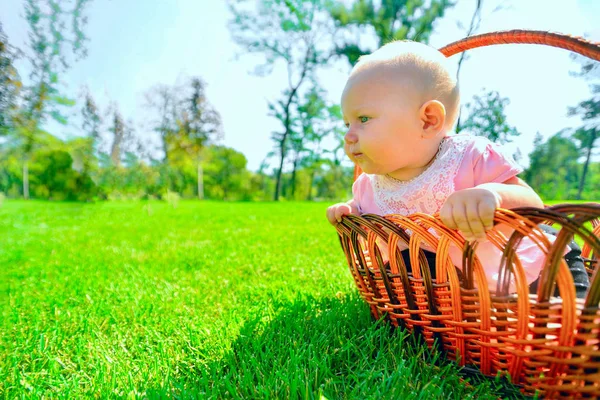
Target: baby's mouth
(357,154)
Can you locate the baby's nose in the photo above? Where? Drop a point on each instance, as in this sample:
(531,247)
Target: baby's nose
(350,137)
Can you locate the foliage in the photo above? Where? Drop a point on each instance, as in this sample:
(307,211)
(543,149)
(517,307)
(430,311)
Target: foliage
(315,120)
(53,178)
(10,85)
(49,41)
(52,171)
(11,179)
(119,131)
(226,177)
(91,122)
(186,123)
(386,21)
(487,118)
(185,120)
(292,32)
(589,111)
(553,170)
(197,122)
(81,175)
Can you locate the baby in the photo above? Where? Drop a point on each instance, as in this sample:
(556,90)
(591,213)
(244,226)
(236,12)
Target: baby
(399,105)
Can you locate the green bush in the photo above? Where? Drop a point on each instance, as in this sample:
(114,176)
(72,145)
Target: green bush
(53,178)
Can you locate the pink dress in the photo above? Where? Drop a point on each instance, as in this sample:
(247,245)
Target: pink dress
(464,161)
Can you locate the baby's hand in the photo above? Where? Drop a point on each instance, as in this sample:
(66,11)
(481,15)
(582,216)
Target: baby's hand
(471,211)
(337,211)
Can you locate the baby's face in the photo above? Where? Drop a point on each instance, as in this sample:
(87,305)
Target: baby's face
(384,133)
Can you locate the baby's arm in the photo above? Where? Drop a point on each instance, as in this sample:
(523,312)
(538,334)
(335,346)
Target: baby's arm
(337,211)
(472,210)
(515,193)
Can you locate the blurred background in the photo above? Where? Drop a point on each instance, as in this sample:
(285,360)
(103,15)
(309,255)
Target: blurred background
(239,100)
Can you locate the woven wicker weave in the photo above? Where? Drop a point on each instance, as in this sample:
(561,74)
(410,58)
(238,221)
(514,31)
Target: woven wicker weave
(546,344)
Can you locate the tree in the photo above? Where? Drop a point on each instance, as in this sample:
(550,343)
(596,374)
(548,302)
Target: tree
(487,118)
(84,150)
(291,31)
(91,116)
(161,101)
(587,143)
(10,85)
(226,174)
(119,132)
(49,39)
(589,111)
(311,110)
(318,120)
(389,20)
(186,123)
(308,110)
(55,179)
(553,171)
(198,123)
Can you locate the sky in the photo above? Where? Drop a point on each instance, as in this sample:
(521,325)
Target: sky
(136,44)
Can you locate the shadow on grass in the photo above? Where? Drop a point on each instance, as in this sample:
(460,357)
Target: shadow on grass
(325,349)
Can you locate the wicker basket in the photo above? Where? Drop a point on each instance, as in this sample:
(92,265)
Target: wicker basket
(547,345)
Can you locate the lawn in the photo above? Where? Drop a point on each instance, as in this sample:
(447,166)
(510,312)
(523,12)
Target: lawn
(201,300)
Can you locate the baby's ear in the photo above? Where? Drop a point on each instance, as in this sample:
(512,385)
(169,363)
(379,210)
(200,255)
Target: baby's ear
(433,116)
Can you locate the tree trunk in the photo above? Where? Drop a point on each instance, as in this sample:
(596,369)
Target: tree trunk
(288,121)
(115,151)
(585,166)
(26,179)
(165,147)
(200,181)
(293,180)
(310,183)
(278,184)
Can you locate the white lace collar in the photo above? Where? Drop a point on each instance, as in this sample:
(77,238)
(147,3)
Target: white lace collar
(428,191)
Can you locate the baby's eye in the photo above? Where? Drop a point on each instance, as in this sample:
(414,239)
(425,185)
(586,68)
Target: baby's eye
(363,119)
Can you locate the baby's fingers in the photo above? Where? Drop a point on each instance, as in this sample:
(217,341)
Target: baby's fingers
(455,217)
(341,211)
(446,215)
(461,220)
(486,213)
(476,225)
(331,215)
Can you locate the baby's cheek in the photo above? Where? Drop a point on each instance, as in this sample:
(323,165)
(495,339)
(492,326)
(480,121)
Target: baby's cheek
(389,157)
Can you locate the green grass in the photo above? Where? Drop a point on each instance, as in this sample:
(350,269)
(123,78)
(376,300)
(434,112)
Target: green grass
(205,300)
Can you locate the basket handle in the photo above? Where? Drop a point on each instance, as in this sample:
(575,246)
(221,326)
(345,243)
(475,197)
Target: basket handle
(519,36)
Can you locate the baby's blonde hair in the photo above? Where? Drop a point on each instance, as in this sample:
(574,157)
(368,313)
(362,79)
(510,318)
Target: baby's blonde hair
(427,68)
